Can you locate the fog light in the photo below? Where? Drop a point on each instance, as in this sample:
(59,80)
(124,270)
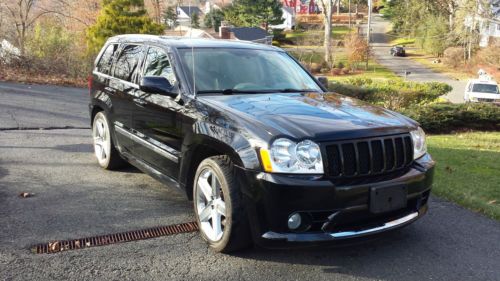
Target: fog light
(294,221)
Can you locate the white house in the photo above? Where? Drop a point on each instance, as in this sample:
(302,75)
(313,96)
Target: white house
(489,27)
(184,13)
(288,19)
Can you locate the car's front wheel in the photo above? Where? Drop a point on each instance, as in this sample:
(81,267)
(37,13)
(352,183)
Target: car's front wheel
(105,152)
(218,206)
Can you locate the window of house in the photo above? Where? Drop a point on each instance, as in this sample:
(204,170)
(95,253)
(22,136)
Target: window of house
(106,60)
(128,61)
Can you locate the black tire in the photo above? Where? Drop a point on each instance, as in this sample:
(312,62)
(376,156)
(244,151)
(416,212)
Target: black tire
(236,235)
(113,160)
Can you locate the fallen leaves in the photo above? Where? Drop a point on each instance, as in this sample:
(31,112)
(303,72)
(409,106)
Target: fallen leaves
(26,194)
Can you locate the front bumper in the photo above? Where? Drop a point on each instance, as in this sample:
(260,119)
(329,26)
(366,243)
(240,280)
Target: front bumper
(335,212)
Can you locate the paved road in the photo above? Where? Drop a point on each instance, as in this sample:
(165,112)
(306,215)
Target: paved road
(399,65)
(74,198)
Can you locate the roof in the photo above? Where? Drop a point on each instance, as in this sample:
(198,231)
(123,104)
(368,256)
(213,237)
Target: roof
(288,10)
(190,10)
(482,81)
(249,33)
(183,42)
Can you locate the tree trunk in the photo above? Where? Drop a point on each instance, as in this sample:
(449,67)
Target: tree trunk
(327,11)
(338,7)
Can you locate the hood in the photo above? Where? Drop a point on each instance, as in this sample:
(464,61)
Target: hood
(319,117)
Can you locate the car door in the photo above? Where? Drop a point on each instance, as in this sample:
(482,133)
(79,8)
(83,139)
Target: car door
(157,118)
(122,90)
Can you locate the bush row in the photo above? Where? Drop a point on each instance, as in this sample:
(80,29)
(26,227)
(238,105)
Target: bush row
(396,94)
(444,118)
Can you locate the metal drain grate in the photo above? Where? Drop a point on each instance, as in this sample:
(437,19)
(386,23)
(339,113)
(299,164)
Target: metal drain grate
(64,245)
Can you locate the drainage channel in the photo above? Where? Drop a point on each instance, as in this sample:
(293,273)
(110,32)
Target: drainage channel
(102,240)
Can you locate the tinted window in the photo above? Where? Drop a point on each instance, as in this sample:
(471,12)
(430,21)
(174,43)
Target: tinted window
(244,69)
(485,88)
(158,64)
(104,64)
(127,63)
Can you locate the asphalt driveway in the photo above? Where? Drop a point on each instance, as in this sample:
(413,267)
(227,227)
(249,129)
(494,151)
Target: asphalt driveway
(400,65)
(45,149)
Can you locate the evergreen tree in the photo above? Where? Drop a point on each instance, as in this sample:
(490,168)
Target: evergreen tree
(120,17)
(214,19)
(170,17)
(255,12)
(195,20)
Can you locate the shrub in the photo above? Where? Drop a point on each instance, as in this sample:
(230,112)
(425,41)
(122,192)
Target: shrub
(445,118)
(454,57)
(357,49)
(315,67)
(336,71)
(396,95)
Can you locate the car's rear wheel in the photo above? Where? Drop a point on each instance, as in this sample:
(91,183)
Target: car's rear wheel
(105,152)
(218,206)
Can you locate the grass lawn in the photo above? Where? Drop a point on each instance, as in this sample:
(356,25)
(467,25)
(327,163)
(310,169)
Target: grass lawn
(338,32)
(468,170)
(403,41)
(426,59)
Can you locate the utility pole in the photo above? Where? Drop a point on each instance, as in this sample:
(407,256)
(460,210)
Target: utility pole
(368,31)
(350,25)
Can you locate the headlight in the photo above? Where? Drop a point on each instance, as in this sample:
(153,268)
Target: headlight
(419,144)
(286,156)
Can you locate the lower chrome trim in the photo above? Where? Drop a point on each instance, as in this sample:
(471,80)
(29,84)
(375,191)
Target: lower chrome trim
(147,144)
(309,237)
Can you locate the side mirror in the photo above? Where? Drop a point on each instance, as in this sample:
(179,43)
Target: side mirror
(157,85)
(323,80)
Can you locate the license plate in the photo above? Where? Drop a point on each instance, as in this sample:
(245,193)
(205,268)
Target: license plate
(387,198)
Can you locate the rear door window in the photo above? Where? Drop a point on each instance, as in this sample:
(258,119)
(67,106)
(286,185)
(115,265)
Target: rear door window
(128,61)
(106,60)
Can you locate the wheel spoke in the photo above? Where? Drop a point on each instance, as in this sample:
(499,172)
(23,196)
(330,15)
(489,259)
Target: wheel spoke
(99,127)
(205,188)
(220,206)
(103,153)
(205,214)
(216,224)
(215,186)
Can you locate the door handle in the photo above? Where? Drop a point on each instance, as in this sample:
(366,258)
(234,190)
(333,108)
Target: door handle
(140,101)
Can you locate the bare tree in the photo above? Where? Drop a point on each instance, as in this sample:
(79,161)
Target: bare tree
(155,8)
(23,14)
(327,13)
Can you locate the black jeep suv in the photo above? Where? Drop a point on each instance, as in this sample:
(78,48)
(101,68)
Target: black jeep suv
(265,153)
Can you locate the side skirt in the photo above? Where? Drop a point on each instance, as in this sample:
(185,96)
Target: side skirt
(144,167)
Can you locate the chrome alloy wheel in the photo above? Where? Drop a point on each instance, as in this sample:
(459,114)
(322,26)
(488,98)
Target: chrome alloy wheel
(210,205)
(102,141)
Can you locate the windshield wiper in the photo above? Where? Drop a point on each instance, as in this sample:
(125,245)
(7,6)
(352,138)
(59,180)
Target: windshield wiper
(290,90)
(234,91)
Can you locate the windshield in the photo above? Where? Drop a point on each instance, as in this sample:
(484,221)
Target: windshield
(244,70)
(485,88)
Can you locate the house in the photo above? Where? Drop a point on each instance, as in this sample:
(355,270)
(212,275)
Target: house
(489,26)
(184,13)
(288,19)
(252,34)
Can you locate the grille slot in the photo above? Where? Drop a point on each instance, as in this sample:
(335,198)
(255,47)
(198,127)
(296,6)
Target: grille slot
(367,157)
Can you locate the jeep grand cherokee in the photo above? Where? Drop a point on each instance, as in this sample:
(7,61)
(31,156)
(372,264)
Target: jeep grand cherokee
(267,155)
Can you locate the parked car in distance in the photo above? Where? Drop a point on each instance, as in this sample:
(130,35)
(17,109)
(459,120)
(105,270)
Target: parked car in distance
(398,51)
(479,90)
(267,155)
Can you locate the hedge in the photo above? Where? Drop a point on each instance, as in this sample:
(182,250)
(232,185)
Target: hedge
(444,117)
(396,94)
